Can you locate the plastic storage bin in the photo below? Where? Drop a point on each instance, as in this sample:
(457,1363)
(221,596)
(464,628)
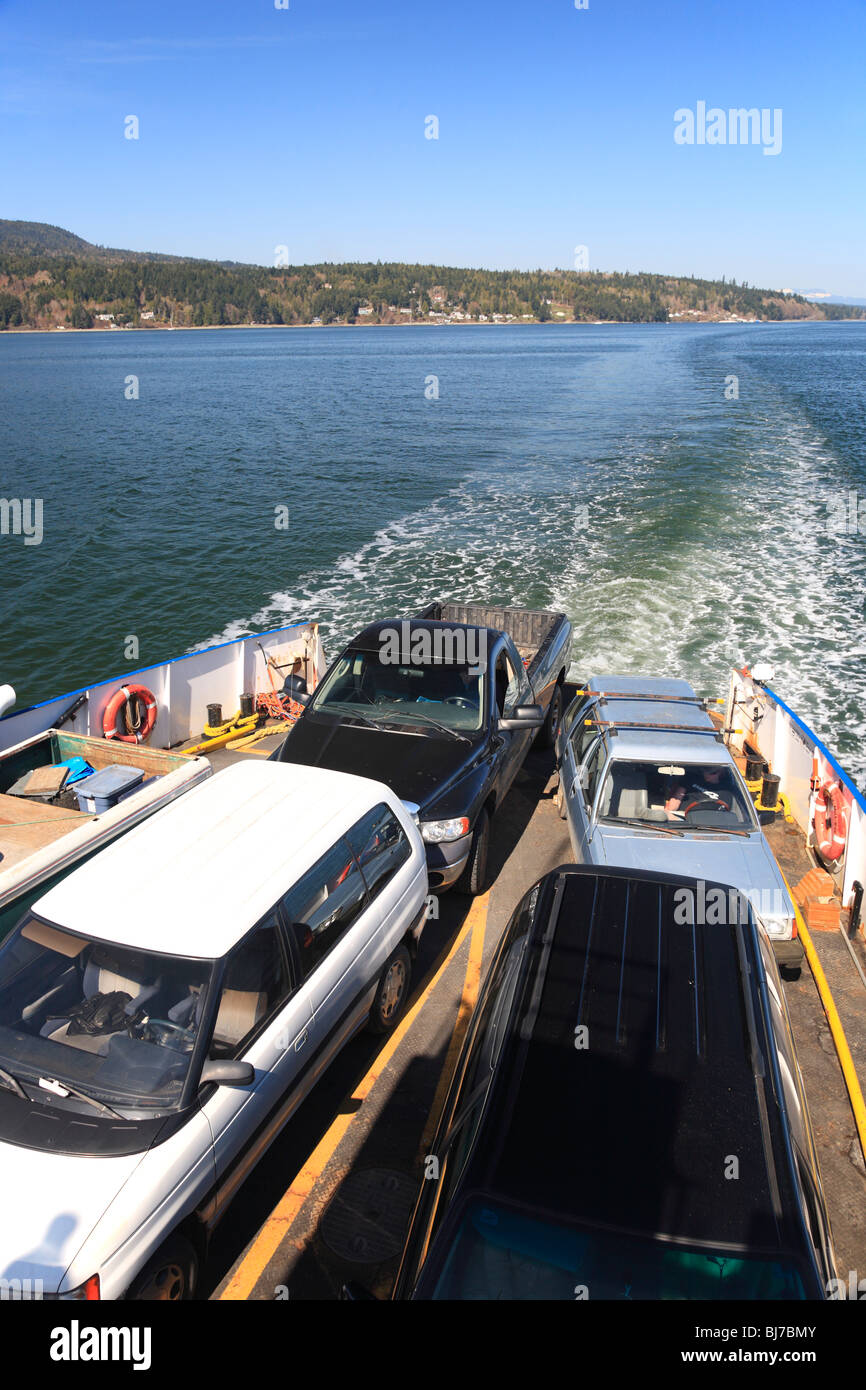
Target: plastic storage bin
(106,788)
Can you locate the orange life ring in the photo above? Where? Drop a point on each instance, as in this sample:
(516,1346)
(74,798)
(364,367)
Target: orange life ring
(831,821)
(125,697)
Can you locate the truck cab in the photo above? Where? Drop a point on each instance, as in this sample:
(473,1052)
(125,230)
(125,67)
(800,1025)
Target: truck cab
(444,711)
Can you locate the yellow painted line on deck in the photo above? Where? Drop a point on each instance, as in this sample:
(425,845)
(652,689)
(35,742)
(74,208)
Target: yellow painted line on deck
(843,1051)
(468,1000)
(279,1223)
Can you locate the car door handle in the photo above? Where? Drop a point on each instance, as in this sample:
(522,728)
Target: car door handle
(301,1041)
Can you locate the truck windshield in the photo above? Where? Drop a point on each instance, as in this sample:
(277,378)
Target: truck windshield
(120,1025)
(502,1254)
(363,684)
(695,796)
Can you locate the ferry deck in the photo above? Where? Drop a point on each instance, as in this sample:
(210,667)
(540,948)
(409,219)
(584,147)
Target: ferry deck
(331,1201)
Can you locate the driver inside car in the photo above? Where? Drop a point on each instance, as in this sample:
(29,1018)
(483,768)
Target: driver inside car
(707,784)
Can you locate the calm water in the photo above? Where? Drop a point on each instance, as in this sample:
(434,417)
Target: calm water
(595,468)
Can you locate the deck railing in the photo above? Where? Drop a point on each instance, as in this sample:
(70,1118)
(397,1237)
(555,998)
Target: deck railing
(183,687)
(760,717)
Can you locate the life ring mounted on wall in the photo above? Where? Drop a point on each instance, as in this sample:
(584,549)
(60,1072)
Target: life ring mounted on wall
(130,699)
(830,821)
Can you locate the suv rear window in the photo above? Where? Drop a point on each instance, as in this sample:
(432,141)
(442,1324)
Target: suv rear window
(502,1253)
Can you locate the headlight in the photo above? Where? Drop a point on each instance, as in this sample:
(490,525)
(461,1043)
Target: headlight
(435,832)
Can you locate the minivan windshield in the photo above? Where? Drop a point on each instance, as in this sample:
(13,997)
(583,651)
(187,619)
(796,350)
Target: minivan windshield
(695,796)
(499,1253)
(365,685)
(119,1025)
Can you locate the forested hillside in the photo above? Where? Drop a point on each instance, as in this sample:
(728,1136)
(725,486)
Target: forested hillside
(50,278)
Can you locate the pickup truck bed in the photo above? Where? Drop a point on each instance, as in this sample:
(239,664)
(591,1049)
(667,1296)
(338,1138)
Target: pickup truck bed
(532,630)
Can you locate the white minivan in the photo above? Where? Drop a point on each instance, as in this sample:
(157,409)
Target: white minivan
(165,1009)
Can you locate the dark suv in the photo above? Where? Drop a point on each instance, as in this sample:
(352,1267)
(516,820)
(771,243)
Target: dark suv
(627,1117)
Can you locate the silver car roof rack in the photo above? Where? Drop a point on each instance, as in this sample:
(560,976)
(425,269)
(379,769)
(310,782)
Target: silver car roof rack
(654,699)
(639,724)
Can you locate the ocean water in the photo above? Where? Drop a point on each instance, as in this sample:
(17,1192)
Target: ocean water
(685,521)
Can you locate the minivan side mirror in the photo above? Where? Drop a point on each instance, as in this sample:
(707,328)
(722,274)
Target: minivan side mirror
(524,717)
(228,1072)
(296,689)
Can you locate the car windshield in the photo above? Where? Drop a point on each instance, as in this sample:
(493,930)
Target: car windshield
(119,1024)
(363,684)
(696,796)
(498,1253)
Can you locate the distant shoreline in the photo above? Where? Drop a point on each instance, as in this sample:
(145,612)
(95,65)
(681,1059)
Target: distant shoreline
(537,323)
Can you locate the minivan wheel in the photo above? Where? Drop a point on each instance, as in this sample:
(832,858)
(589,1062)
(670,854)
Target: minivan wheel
(548,730)
(473,879)
(392,993)
(170,1276)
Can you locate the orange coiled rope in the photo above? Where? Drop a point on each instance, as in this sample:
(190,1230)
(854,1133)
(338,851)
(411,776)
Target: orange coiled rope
(278,706)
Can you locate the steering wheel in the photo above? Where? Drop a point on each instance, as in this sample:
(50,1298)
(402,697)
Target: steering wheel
(701,803)
(165,1033)
(461,701)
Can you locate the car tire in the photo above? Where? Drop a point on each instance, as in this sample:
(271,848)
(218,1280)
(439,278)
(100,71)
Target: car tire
(392,992)
(548,730)
(170,1276)
(473,879)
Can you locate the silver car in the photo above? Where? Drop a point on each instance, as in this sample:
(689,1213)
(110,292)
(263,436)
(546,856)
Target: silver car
(647,782)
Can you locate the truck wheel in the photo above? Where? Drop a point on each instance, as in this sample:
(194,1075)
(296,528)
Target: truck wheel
(547,732)
(392,993)
(473,879)
(170,1276)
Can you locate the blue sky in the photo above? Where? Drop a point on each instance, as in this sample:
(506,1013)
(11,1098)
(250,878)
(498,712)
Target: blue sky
(305,127)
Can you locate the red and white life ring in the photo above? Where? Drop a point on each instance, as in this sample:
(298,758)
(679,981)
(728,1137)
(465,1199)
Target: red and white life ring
(830,821)
(126,697)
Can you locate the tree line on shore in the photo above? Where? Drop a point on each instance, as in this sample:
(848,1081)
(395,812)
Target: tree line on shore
(41,289)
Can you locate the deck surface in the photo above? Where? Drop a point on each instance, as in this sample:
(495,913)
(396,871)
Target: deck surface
(839,1153)
(332,1199)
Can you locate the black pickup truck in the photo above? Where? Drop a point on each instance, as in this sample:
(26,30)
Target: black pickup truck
(443,708)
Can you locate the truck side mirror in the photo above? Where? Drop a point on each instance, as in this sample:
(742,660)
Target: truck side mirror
(524,717)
